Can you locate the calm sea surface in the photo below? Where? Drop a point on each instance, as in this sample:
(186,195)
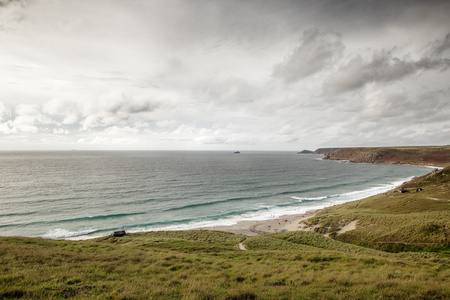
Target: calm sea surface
(80,195)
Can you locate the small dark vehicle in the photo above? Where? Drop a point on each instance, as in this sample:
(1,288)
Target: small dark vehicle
(119,233)
(402,191)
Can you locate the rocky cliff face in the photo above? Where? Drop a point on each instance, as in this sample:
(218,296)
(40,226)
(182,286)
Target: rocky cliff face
(428,156)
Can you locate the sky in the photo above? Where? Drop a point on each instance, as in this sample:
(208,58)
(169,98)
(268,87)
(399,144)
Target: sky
(223,74)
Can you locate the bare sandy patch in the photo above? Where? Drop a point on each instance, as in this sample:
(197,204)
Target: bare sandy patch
(284,223)
(348,227)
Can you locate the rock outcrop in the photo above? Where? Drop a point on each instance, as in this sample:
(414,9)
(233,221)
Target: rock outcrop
(306,152)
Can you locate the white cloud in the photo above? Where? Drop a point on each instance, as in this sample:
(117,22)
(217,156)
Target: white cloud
(70,119)
(5,112)
(59,131)
(27,110)
(168,124)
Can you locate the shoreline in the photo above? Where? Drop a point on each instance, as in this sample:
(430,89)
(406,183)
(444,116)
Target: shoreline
(285,222)
(281,224)
(252,228)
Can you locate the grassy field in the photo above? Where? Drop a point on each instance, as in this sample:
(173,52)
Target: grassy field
(399,250)
(209,265)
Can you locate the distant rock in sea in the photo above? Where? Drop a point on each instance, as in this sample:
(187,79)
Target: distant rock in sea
(306,152)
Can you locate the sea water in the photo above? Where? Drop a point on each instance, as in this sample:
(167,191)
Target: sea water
(81,195)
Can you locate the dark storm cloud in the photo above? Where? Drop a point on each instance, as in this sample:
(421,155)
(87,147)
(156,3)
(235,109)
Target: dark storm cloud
(382,67)
(316,52)
(440,46)
(362,16)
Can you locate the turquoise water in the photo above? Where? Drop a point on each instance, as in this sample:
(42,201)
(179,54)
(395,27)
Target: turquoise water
(80,195)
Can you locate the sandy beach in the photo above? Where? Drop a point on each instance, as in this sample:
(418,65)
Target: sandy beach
(284,223)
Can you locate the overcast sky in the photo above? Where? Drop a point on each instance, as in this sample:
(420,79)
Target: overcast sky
(223,74)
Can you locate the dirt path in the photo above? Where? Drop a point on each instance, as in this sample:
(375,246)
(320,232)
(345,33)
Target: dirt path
(242,247)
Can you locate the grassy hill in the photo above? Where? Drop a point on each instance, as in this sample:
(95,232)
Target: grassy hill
(209,265)
(394,221)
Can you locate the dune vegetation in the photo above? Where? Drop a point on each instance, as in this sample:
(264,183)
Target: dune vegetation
(415,217)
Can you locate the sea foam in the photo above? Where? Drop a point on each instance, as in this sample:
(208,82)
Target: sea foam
(81,195)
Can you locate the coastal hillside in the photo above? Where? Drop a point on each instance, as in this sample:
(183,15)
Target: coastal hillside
(202,264)
(438,156)
(414,217)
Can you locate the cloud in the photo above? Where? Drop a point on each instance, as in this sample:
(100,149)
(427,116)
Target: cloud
(112,109)
(316,52)
(397,114)
(383,67)
(124,105)
(168,124)
(116,108)
(8,2)
(201,74)
(229,92)
(25,118)
(439,47)
(5,112)
(12,14)
(66,112)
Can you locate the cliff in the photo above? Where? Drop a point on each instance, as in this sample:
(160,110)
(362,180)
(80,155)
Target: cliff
(428,156)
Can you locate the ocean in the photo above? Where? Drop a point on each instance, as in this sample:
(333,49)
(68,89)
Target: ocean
(82,194)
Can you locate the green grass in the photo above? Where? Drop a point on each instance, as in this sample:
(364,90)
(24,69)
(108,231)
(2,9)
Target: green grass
(413,221)
(208,265)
